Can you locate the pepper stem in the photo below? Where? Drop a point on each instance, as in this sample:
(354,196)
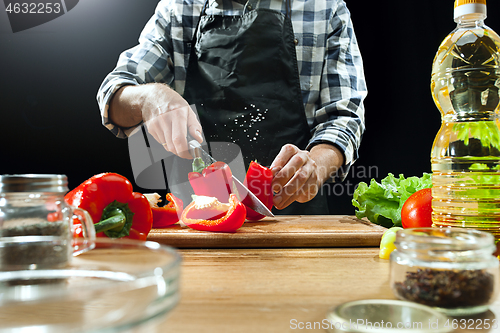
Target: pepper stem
(116,220)
(198,164)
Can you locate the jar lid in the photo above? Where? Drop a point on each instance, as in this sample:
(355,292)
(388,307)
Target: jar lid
(450,243)
(34,183)
(385,315)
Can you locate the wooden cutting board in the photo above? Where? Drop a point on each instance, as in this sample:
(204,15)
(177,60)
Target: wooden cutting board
(279,232)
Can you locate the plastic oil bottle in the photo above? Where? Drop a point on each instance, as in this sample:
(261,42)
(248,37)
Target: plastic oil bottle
(465,155)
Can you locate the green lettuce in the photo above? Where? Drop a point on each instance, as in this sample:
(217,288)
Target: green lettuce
(381,202)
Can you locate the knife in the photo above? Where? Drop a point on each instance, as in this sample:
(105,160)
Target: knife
(240,190)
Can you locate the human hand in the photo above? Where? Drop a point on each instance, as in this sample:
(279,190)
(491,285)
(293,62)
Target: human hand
(296,176)
(299,174)
(169,119)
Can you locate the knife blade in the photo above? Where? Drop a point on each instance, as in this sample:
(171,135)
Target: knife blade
(240,190)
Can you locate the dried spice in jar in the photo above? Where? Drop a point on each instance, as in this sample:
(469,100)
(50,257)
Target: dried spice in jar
(47,247)
(36,223)
(447,288)
(451,269)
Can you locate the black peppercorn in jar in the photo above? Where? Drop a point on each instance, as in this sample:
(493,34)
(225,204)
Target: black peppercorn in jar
(36,224)
(451,269)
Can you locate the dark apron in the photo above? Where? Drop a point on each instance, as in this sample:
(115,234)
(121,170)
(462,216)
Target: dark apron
(243,79)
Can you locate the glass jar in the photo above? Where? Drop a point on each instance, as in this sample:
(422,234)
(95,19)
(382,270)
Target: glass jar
(450,269)
(36,224)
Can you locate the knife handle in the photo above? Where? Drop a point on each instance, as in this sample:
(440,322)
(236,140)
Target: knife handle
(194,148)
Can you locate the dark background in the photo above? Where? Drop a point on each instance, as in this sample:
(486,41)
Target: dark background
(50,121)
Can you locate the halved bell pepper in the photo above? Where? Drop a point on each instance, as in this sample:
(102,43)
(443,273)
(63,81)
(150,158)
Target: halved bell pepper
(259,181)
(212,181)
(209,214)
(168,214)
(115,209)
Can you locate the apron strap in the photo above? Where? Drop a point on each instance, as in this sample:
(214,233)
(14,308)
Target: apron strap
(205,6)
(289,9)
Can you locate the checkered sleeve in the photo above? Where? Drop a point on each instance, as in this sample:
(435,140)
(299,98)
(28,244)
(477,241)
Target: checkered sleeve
(150,61)
(340,115)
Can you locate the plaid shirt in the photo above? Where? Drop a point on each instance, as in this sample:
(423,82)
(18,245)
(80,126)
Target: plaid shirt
(330,65)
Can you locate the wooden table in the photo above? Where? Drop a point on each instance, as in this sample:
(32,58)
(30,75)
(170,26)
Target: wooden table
(276,289)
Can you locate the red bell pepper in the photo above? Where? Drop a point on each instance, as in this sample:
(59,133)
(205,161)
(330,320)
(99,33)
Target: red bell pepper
(209,214)
(213,181)
(168,214)
(115,209)
(259,181)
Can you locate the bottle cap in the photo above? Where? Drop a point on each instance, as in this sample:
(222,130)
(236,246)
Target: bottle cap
(466,7)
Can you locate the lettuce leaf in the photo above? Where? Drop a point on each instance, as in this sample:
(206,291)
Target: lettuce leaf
(381,202)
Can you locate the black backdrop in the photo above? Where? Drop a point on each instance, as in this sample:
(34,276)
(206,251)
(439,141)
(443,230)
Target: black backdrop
(50,122)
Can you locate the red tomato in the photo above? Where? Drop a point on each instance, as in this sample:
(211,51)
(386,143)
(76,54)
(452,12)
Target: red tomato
(417,210)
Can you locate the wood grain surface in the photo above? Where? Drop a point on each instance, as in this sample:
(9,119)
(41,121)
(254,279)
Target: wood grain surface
(297,231)
(276,290)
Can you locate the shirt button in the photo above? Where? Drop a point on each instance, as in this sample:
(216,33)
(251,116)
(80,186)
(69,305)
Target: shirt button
(296,41)
(249,7)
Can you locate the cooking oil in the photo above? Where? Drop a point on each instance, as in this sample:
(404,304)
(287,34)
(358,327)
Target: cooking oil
(465,155)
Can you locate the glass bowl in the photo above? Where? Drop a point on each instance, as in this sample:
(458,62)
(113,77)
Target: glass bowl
(118,286)
(388,316)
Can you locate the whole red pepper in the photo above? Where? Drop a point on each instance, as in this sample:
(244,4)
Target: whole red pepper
(259,181)
(213,181)
(116,210)
(208,214)
(168,214)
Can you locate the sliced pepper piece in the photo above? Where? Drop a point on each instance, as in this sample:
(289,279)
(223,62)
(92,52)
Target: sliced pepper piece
(259,181)
(167,215)
(387,242)
(116,210)
(209,214)
(213,181)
